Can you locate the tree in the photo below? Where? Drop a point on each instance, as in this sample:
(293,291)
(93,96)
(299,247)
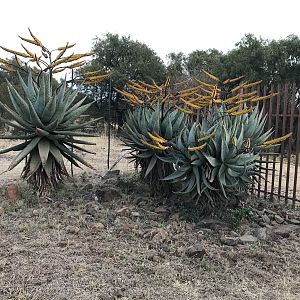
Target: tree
(127,60)
(176,66)
(209,60)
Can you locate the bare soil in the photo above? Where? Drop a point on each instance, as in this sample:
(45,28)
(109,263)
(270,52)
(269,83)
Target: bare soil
(54,249)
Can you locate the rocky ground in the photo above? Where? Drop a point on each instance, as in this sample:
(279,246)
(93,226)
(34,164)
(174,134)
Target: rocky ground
(112,239)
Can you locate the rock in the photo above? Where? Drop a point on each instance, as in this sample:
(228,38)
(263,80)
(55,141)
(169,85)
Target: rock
(210,223)
(260,212)
(1,211)
(229,241)
(35,212)
(274,223)
(62,243)
(278,219)
(180,250)
(266,219)
(196,251)
(156,258)
(72,229)
(135,214)
(161,210)
(294,221)
(98,226)
(45,200)
(270,212)
(128,227)
(247,239)
(286,230)
(261,233)
(124,211)
(12,192)
(160,236)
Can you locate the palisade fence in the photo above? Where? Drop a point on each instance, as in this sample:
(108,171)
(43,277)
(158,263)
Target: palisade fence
(282,179)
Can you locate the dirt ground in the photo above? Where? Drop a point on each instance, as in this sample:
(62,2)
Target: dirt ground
(78,244)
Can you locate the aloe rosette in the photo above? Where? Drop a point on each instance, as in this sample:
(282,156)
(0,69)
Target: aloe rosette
(47,119)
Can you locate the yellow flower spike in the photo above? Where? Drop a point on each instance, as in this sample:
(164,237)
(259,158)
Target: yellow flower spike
(38,42)
(58,70)
(141,90)
(61,53)
(181,82)
(263,97)
(190,103)
(28,52)
(207,137)
(25,55)
(68,47)
(197,148)
(238,87)
(154,87)
(135,84)
(211,75)
(7,68)
(277,140)
(233,80)
(192,89)
(246,86)
(187,111)
(156,138)
(92,72)
(98,77)
(77,64)
(241,112)
(155,147)
(33,42)
(204,83)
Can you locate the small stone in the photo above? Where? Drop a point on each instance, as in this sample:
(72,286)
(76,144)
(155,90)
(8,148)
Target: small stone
(266,219)
(261,233)
(247,239)
(124,211)
(260,212)
(1,211)
(161,210)
(12,192)
(62,243)
(45,200)
(196,251)
(35,212)
(274,223)
(98,226)
(294,221)
(160,236)
(286,230)
(229,241)
(135,214)
(278,219)
(156,258)
(210,223)
(270,212)
(72,229)
(180,250)
(128,227)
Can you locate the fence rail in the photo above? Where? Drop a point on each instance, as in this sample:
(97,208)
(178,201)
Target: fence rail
(282,178)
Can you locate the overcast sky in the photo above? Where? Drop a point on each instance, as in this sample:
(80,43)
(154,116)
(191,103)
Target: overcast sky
(164,25)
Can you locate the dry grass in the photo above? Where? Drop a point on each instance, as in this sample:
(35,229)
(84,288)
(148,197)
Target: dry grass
(43,258)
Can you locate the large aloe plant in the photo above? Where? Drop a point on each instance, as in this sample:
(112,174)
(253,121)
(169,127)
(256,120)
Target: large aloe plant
(47,119)
(147,132)
(218,157)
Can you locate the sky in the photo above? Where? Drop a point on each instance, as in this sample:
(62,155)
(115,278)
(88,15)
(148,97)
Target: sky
(164,25)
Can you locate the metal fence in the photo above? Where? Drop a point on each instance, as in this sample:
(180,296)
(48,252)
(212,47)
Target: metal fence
(282,179)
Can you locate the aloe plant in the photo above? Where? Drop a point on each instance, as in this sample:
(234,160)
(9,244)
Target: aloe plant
(47,119)
(147,133)
(218,157)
